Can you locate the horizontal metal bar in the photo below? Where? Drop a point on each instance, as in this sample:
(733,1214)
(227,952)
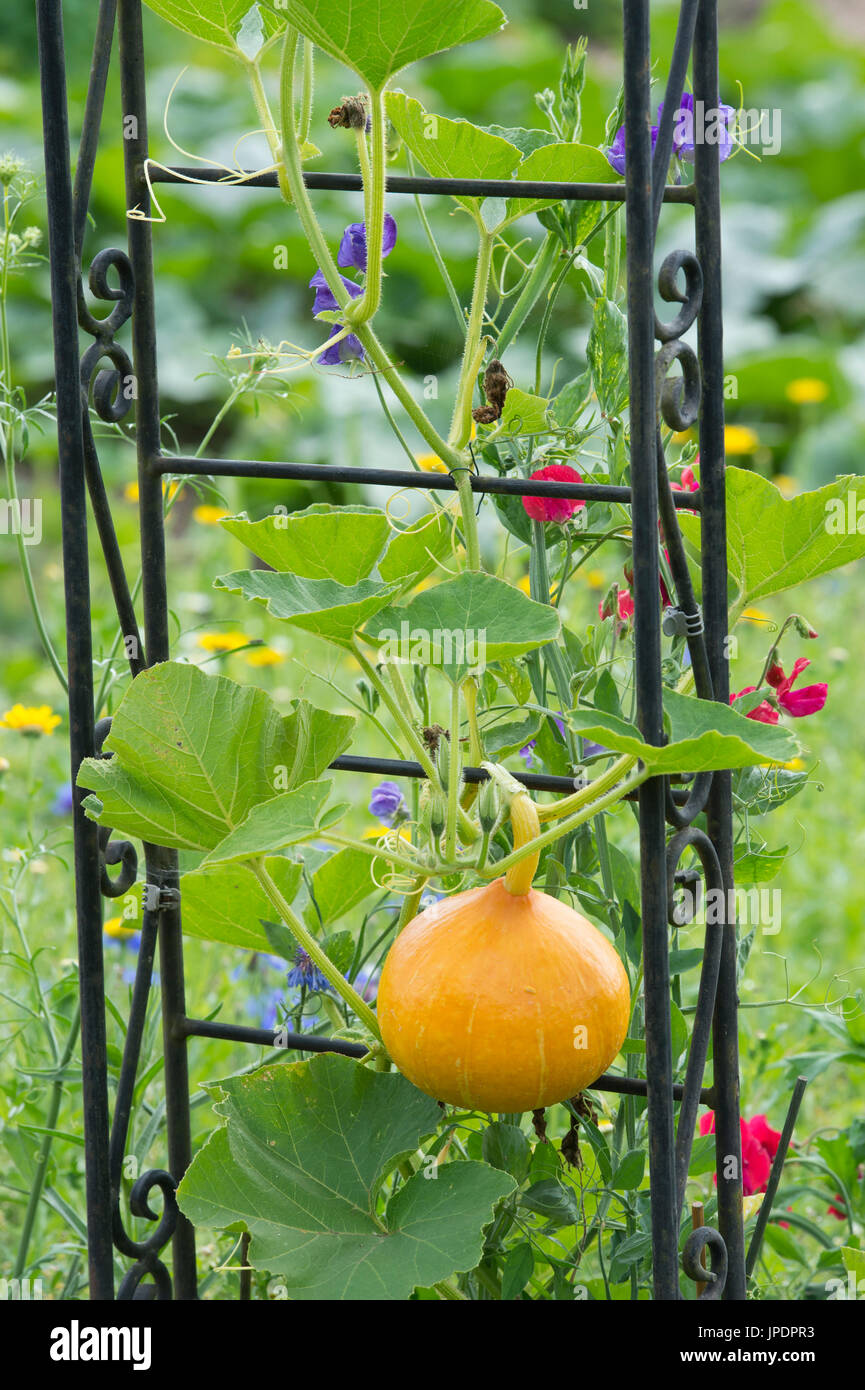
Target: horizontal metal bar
(264,1037)
(534,781)
(391,477)
(402,183)
(313,1042)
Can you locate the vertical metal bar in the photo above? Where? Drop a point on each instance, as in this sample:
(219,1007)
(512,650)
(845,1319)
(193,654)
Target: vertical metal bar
(92,117)
(640,246)
(714,529)
(775,1175)
(73,509)
(161,863)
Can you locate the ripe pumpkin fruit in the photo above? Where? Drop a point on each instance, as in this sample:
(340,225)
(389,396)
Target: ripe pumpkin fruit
(502,1001)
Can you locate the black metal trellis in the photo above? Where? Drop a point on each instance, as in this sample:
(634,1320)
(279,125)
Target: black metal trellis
(696,395)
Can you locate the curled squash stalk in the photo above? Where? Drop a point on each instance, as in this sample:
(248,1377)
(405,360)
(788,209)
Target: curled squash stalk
(526,826)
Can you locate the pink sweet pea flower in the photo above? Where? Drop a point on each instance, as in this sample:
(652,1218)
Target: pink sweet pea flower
(763,713)
(559,509)
(809,700)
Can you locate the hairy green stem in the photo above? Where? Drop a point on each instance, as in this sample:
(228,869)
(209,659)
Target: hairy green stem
(312,948)
(461,424)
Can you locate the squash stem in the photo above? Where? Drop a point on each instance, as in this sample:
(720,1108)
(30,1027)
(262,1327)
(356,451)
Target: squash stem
(526,827)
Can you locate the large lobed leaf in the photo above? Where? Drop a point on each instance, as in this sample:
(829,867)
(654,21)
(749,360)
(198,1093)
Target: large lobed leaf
(378,38)
(193,754)
(321,606)
(300,1164)
(466,622)
(776,542)
(704,735)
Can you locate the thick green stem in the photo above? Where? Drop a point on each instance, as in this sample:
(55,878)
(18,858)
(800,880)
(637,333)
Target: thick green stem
(313,950)
(365,308)
(290,153)
(262,106)
(461,424)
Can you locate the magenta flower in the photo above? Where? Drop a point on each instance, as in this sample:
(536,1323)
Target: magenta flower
(759,1146)
(810,699)
(558,509)
(763,713)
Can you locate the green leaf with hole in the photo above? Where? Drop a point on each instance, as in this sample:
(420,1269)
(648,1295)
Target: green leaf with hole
(301,1163)
(275,824)
(226,902)
(704,735)
(321,542)
(321,606)
(193,753)
(217,22)
(776,542)
(465,623)
(378,38)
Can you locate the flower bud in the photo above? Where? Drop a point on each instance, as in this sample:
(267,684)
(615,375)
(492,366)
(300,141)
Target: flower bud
(488,806)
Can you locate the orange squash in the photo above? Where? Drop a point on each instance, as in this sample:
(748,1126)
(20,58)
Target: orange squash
(502,1001)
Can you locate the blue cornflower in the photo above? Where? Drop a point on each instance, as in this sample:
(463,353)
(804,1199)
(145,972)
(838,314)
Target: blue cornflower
(306,973)
(63,800)
(386,801)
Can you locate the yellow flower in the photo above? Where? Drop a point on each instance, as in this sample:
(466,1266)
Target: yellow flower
(208,515)
(223,641)
(30,721)
(756,615)
(235,351)
(377,832)
(785,484)
(114,927)
(526,585)
(264,656)
(131,491)
(807,390)
(596,579)
(738,439)
(751,1205)
(430,463)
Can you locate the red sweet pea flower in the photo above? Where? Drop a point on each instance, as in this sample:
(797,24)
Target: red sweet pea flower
(809,700)
(763,713)
(558,509)
(759,1146)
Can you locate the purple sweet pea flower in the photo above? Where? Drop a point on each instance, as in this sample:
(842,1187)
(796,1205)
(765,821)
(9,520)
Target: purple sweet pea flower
(348,347)
(352,248)
(386,801)
(527,754)
(683,133)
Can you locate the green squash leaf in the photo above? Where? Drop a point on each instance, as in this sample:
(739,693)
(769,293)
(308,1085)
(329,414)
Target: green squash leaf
(775,542)
(226,903)
(523,413)
(193,753)
(330,610)
(217,22)
(465,623)
(377,38)
(703,735)
(321,542)
(559,163)
(300,1164)
(451,149)
(275,824)
(415,552)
